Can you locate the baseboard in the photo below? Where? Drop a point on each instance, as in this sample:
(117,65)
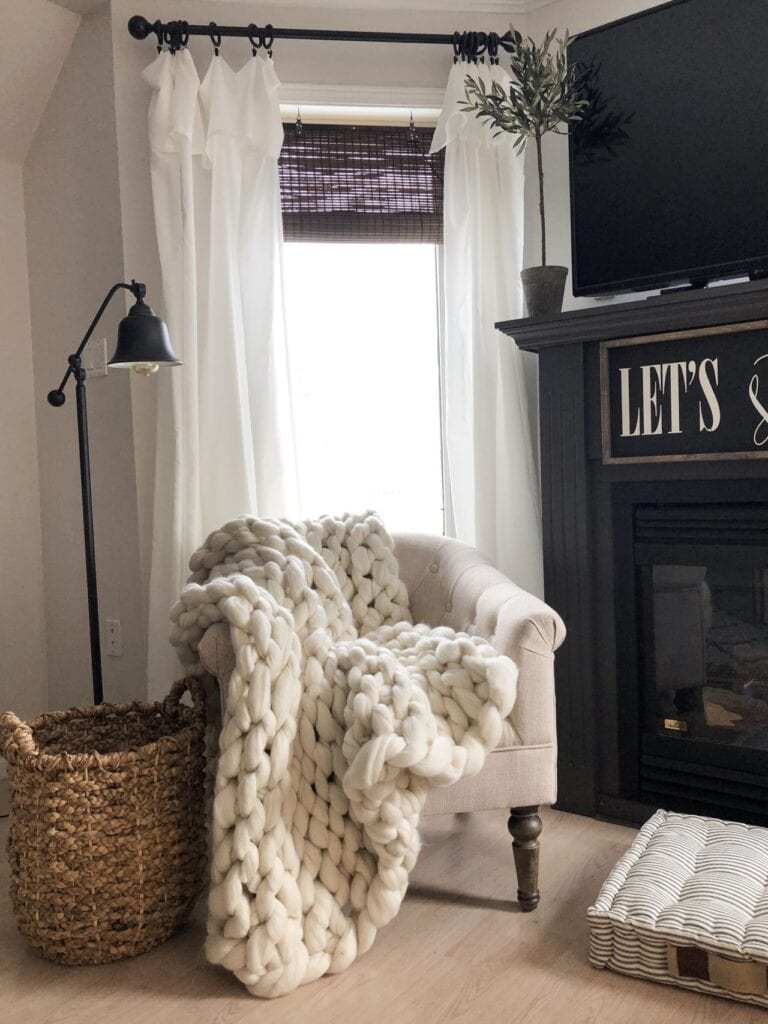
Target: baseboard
(5,798)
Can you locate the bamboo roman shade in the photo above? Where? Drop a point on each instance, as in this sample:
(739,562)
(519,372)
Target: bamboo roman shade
(360,183)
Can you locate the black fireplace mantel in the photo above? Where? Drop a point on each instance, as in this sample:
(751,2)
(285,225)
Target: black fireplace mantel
(583,494)
(681,310)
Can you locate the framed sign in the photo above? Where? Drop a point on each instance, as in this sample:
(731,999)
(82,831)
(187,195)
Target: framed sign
(700,394)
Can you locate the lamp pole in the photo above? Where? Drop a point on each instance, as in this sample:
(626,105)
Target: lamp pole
(90,548)
(143,344)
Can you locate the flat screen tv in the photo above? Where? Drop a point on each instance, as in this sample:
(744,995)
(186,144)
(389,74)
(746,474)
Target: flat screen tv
(669,170)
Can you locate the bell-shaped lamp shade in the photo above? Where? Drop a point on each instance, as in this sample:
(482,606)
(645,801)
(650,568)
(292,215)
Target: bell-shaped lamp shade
(142,341)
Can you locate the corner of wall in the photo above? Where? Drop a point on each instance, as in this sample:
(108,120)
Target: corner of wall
(22,652)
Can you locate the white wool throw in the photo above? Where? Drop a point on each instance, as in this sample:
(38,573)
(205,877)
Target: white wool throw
(340,714)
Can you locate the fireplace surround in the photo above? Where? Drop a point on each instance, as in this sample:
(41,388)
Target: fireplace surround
(655,515)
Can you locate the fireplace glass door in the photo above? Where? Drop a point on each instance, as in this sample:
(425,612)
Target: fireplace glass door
(702,629)
(692,653)
(706,640)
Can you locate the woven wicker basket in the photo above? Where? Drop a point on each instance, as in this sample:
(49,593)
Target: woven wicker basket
(107,842)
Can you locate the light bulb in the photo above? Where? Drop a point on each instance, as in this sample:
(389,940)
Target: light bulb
(146,369)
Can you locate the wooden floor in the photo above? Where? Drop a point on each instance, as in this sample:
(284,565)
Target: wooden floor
(458,952)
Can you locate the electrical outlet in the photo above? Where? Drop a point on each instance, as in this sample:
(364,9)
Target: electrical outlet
(95,358)
(114,638)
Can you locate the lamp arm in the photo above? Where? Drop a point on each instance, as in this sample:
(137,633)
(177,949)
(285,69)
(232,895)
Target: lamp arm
(57,397)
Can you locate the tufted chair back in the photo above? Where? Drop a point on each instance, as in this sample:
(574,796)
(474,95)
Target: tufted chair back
(335,574)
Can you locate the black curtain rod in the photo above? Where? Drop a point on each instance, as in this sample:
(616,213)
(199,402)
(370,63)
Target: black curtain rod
(175,34)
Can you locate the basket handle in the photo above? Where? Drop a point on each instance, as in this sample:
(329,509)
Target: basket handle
(196,692)
(14,732)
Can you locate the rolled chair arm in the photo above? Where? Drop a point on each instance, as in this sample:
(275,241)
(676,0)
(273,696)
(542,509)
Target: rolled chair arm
(453,584)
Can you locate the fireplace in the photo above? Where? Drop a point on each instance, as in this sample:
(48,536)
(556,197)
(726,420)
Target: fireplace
(654,447)
(691,588)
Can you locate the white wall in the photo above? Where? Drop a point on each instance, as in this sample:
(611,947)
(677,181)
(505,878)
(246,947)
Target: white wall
(35,40)
(22,649)
(36,37)
(74,234)
(575,16)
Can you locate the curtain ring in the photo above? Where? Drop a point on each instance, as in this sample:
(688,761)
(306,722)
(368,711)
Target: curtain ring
(493,47)
(157,28)
(177,35)
(474,46)
(215,37)
(268,38)
(255,37)
(458,47)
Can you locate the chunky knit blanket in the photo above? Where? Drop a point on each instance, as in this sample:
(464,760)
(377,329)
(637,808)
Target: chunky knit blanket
(340,714)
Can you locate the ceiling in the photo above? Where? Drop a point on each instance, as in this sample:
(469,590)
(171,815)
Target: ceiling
(81,6)
(494,6)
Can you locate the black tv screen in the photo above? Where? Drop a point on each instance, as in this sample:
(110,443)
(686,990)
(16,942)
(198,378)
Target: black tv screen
(669,169)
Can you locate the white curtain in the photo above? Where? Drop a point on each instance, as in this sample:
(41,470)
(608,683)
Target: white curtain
(225,437)
(492,491)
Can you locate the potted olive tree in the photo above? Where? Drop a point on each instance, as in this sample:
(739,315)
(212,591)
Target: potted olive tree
(543,96)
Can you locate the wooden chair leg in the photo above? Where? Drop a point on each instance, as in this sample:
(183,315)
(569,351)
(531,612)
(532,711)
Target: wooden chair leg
(524,826)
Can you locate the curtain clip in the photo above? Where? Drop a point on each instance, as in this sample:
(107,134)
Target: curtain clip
(458,47)
(255,37)
(157,28)
(261,38)
(493,47)
(215,37)
(177,35)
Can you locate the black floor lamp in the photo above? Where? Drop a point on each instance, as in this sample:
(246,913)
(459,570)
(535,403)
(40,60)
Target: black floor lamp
(144,345)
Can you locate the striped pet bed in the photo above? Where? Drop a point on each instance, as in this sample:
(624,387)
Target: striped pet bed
(687,905)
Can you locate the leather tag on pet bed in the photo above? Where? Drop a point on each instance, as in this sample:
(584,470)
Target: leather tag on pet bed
(734,975)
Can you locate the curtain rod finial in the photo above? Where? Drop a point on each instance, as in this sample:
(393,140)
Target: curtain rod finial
(139,27)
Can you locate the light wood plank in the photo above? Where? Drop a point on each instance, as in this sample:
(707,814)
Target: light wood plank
(459,952)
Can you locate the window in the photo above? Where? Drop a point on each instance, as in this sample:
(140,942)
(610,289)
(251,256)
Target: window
(362,217)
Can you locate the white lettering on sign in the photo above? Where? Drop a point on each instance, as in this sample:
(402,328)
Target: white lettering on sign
(678,374)
(760,435)
(708,385)
(625,429)
(662,387)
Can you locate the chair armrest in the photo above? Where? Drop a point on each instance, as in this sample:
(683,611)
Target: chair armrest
(453,584)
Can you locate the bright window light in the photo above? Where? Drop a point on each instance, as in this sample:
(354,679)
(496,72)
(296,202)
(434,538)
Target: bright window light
(363,348)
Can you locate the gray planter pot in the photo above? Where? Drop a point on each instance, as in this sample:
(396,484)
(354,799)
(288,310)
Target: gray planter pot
(543,288)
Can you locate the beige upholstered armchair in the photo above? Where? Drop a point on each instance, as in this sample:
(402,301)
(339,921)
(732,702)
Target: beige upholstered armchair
(452,584)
